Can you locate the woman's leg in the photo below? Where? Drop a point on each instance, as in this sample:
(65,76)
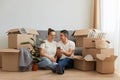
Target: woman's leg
(46,63)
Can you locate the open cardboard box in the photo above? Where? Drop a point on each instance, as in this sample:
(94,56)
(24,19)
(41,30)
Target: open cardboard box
(105,63)
(10,59)
(79,35)
(84,65)
(17,36)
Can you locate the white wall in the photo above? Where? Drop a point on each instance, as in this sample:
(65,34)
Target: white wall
(42,14)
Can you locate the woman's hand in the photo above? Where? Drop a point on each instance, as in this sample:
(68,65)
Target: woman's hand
(53,59)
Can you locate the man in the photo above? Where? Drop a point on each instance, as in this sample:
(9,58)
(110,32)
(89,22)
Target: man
(66,51)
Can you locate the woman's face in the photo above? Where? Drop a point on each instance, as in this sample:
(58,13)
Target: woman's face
(52,35)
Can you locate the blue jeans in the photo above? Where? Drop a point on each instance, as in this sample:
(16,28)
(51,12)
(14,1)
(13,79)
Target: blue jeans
(46,63)
(66,63)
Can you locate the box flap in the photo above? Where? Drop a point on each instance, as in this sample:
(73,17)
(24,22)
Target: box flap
(104,57)
(9,50)
(22,31)
(77,57)
(111,58)
(81,32)
(89,58)
(13,31)
(33,31)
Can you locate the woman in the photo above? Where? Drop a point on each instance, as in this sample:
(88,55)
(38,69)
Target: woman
(48,51)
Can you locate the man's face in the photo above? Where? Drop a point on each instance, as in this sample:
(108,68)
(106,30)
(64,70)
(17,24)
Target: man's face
(62,37)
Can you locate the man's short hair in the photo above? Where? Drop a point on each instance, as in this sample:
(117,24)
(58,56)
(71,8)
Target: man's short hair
(65,32)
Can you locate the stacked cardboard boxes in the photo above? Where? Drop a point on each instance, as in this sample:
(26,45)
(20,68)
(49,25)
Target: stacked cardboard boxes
(96,46)
(10,56)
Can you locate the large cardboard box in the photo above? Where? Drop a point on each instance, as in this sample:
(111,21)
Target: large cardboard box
(79,35)
(102,62)
(15,40)
(10,59)
(17,36)
(0,60)
(81,64)
(93,51)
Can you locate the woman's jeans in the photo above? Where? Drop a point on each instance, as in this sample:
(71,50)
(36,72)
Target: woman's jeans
(46,63)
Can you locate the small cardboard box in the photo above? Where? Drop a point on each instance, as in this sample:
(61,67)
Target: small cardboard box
(89,42)
(10,59)
(102,61)
(15,40)
(93,52)
(0,60)
(81,64)
(79,35)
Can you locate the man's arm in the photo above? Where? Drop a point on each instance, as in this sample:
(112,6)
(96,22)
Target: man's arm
(68,53)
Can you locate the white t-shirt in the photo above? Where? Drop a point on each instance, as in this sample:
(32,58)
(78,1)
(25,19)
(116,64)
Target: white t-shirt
(49,47)
(69,45)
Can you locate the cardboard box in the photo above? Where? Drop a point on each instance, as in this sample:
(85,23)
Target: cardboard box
(102,62)
(99,44)
(10,59)
(89,42)
(15,40)
(79,35)
(93,51)
(0,60)
(81,64)
(79,41)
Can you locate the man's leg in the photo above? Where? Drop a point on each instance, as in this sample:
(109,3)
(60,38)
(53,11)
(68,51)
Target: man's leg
(64,63)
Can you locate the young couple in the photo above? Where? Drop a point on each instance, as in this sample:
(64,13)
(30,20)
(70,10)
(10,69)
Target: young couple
(51,50)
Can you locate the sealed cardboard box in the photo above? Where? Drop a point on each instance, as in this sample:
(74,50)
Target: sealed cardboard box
(10,59)
(79,35)
(102,61)
(0,60)
(81,64)
(89,42)
(15,40)
(94,51)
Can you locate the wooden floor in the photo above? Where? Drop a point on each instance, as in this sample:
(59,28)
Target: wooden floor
(71,74)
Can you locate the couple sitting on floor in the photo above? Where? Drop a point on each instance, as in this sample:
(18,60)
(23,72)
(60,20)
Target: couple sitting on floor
(57,55)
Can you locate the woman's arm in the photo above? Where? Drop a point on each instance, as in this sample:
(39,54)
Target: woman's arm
(43,54)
